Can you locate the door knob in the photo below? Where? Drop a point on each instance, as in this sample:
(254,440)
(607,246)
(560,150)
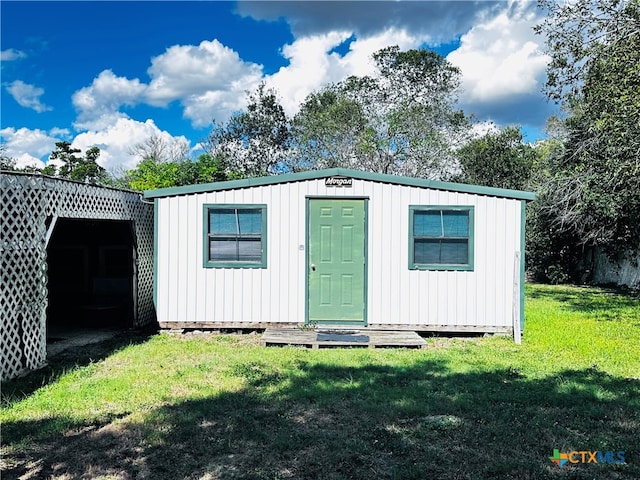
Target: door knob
(313,267)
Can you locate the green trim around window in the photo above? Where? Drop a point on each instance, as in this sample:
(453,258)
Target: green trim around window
(469,265)
(207,262)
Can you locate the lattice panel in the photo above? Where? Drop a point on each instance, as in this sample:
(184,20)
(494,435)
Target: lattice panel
(23,290)
(26,201)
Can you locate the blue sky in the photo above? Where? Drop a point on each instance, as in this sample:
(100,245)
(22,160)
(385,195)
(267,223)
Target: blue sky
(112,74)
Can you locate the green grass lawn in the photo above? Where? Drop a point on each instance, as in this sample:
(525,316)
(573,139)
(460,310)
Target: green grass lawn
(222,407)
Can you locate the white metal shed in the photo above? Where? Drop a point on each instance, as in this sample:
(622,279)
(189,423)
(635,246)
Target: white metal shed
(340,247)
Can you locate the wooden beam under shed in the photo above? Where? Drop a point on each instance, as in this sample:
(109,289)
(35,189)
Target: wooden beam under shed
(324,338)
(440,329)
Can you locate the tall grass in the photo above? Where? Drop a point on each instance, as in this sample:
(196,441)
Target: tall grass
(225,407)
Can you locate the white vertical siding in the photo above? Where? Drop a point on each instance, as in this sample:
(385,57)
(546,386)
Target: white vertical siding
(186,291)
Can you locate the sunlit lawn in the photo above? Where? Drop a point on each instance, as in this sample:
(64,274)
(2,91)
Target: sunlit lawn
(225,407)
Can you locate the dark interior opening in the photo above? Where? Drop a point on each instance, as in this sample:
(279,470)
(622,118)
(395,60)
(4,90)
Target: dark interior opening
(91,274)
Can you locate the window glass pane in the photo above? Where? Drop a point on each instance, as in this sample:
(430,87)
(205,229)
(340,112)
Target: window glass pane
(223,221)
(427,223)
(232,250)
(250,221)
(426,252)
(249,250)
(454,252)
(223,249)
(456,224)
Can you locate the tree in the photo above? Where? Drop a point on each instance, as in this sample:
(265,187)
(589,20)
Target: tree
(150,174)
(166,163)
(49,170)
(88,170)
(6,162)
(205,169)
(75,167)
(593,194)
(579,33)
(327,129)
(497,159)
(254,142)
(67,155)
(160,150)
(553,254)
(401,121)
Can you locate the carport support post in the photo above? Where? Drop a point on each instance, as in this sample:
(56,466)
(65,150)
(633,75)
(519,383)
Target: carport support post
(50,230)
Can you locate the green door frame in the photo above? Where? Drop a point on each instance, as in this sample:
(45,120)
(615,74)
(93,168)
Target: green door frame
(365,205)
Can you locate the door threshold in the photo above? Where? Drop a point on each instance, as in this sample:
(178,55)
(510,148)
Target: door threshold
(337,330)
(336,325)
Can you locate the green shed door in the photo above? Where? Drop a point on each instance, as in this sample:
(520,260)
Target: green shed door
(336,261)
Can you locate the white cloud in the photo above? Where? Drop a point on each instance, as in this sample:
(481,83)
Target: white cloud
(32,147)
(312,64)
(60,132)
(361,50)
(98,105)
(29,147)
(116,140)
(11,54)
(219,105)
(26,160)
(500,57)
(209,80)
(185,70)
(27,95)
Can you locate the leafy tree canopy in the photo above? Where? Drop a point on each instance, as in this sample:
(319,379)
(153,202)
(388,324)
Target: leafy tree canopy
(497,159)
(254,142)
(150,174)
(594,191)
(401,121)
(75,167)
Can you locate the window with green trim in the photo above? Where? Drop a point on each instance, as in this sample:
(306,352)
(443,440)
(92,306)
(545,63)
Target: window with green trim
(441,237)
(235,236)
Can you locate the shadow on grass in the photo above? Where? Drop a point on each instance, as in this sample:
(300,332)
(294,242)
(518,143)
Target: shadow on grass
(319,421)
(607,304)
(68,359)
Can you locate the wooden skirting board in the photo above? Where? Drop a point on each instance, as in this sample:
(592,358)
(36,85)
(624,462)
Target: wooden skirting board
(453,329)
(330,337)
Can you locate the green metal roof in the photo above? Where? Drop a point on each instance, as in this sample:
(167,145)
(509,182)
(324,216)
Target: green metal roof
(355,174)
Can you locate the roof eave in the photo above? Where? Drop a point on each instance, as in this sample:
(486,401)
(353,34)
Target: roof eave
(356,174)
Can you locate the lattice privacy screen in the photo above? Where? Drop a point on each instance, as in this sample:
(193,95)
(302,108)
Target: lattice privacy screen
(26,202)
